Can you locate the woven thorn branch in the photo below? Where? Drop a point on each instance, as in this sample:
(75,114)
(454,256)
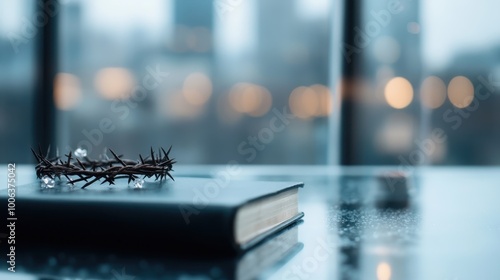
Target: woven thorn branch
(77,169)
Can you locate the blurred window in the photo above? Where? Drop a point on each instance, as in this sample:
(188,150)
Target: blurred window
(219,80)
(17,80)
(250,81)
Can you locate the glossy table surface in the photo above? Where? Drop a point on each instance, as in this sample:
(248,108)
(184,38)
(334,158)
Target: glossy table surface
(360,223)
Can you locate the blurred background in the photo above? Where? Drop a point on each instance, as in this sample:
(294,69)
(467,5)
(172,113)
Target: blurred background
(374,82)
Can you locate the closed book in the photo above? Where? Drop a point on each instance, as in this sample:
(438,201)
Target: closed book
(186,215)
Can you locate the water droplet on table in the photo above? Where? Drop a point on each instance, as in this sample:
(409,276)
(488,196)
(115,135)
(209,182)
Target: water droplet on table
(80,153)
(138,183)
(47,182)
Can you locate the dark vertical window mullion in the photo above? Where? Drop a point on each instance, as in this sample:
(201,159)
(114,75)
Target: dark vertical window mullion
(46,63)
(350,73)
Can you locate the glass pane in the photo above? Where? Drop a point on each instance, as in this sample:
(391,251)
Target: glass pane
(420,83)
(381,68)
(461,50)
(18,37)
(219,80)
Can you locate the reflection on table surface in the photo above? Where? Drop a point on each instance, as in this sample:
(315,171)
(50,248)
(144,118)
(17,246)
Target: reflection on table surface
(360,223)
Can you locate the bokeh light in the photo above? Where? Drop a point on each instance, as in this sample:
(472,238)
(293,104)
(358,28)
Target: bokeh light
(398,93)
(460,92)
(114,83)
(197,89)
(250,99)
(324,100)
(433,92)
(67,91)
(304,102)
(384,271)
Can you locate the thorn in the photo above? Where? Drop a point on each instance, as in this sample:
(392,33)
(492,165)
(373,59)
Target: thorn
(47,162)
(108,179)
(117,158)
(89,183)
(80,163)
(164,153)
(36,156)
(168,174)
(153,156)
(168,152)
(69,158)
(67,177)
(40,150)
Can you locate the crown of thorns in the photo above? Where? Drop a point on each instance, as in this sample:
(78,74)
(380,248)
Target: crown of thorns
(78,167)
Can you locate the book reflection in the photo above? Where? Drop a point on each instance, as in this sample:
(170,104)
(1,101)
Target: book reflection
(263,259)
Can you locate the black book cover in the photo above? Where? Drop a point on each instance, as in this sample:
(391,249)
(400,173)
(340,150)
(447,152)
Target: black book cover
(190,214)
